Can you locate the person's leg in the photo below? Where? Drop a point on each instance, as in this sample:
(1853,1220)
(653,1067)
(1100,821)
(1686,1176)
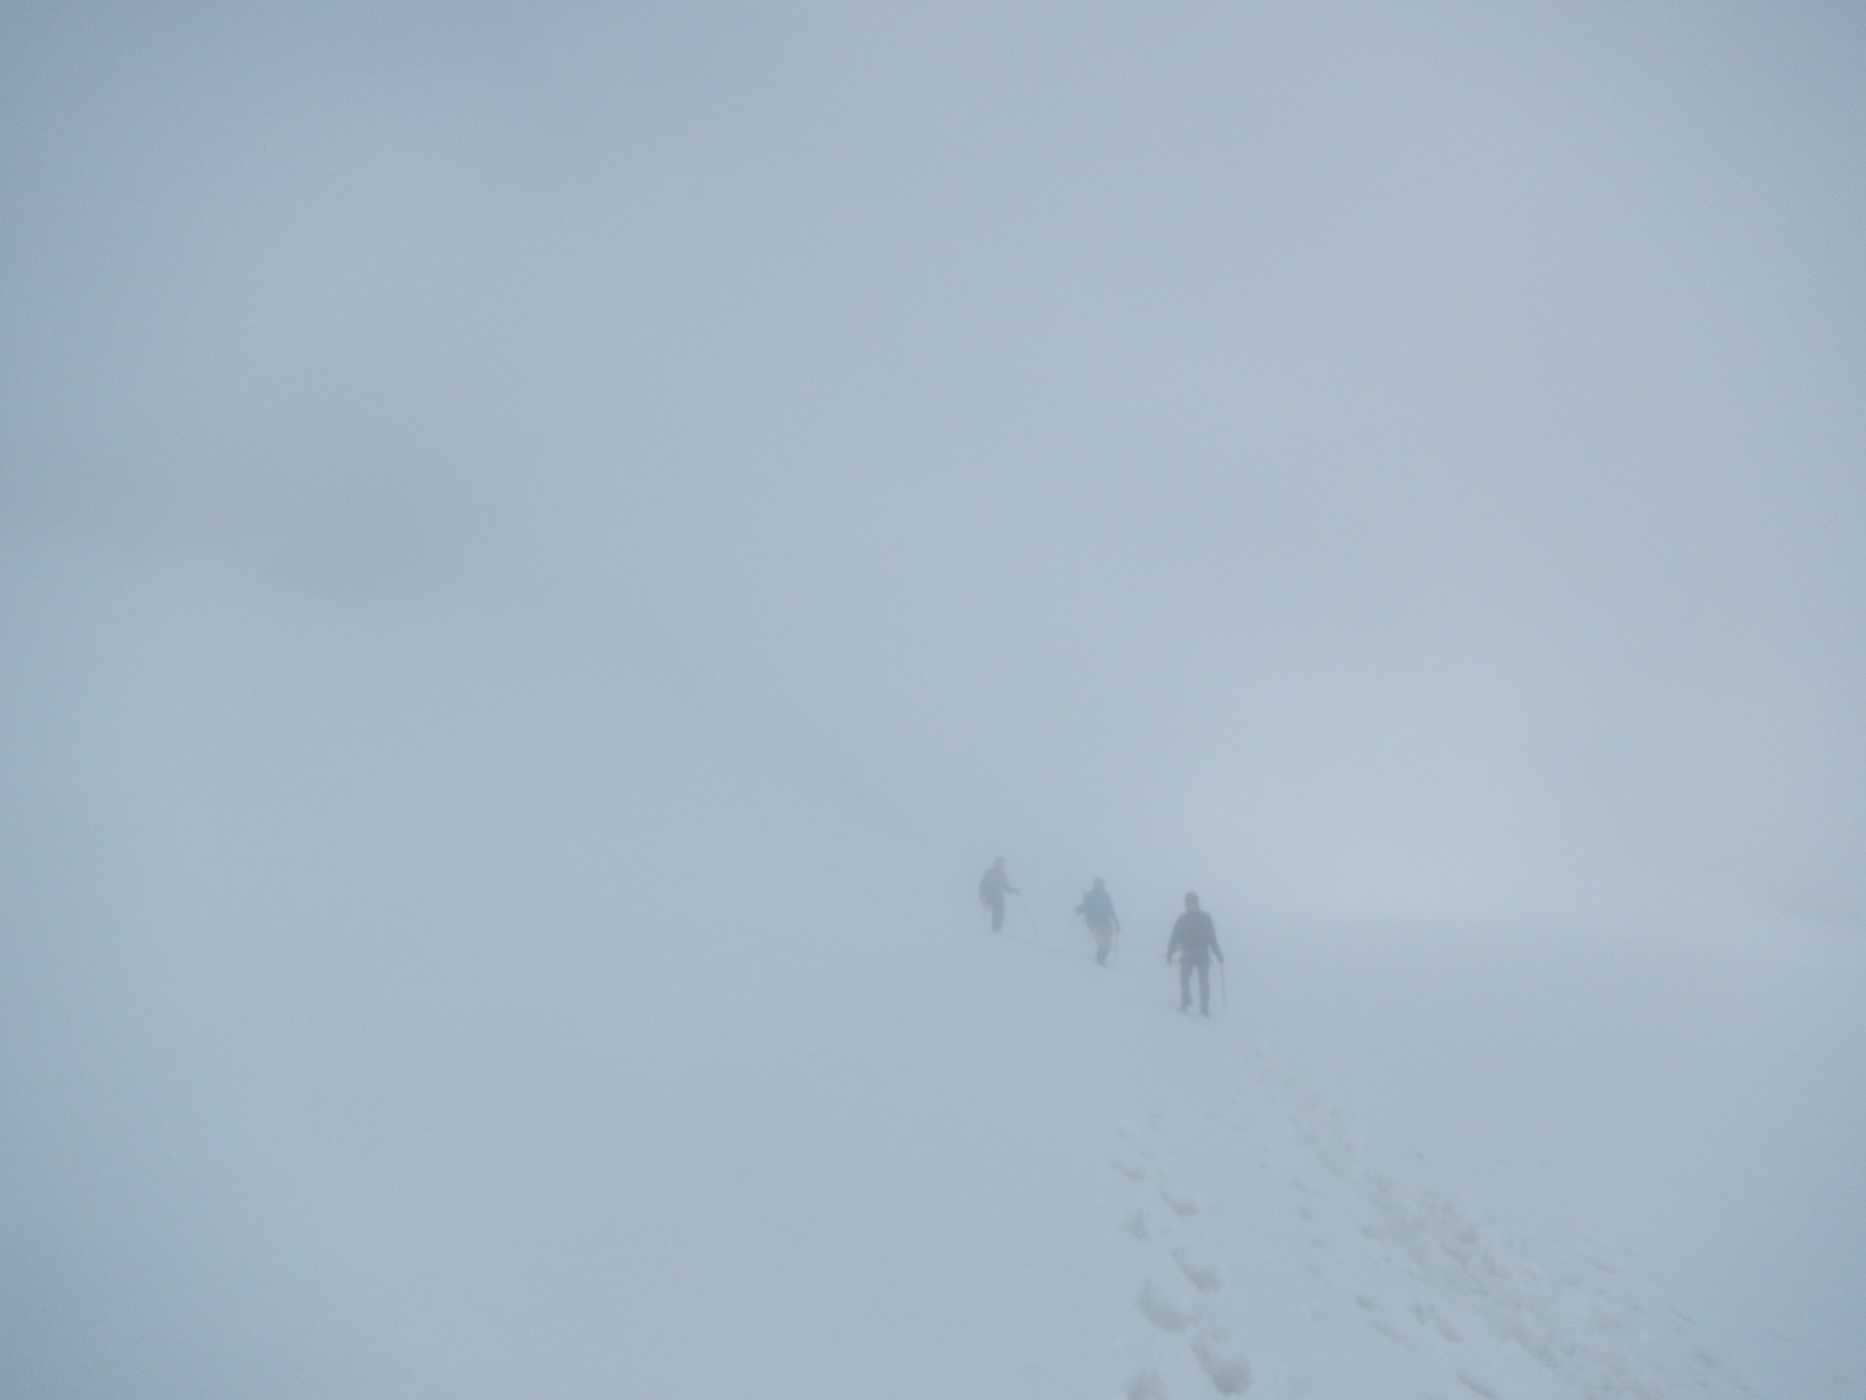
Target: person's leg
(1104,938)
(1185,984)
(1205,989)
(997,916)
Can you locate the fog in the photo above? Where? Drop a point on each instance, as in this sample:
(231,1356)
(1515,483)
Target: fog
(480,485)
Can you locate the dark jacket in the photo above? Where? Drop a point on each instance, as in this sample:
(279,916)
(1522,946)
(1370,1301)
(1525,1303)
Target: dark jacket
(1194,938)
(1098,909)
(993,885)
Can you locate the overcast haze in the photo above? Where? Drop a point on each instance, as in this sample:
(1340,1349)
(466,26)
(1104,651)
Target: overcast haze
(471,475)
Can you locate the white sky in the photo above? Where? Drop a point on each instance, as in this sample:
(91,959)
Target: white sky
(1403,461)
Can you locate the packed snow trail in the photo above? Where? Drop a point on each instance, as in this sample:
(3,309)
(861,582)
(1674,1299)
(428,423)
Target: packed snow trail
(1008,1172)
(1271,1258)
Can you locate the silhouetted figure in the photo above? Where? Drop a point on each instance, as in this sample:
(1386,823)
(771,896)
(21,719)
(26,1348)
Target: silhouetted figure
(1098,910)
(1195,942)
(993,886)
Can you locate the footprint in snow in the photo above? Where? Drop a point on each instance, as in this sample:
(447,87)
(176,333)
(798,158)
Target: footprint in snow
(1227,1370)
(1163,1310)
(1136,1225)
(1133,1171)
(1429,1316)
(1204,1277)
(1144,1386)
(1178,1202)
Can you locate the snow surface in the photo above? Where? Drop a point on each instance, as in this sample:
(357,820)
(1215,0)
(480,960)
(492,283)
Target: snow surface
(345,1084)
(837,1157)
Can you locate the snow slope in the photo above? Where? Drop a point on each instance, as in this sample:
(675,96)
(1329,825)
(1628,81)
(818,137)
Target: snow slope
(328,1076)
(792,1157)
